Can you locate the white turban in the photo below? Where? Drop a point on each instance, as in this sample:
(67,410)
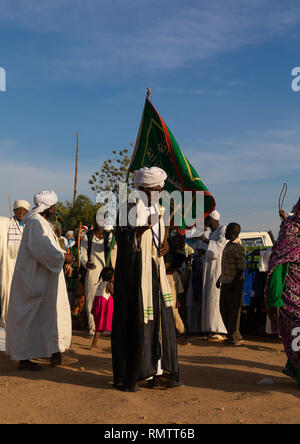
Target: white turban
(215,215)
(42,201)
(149,177)
(21,204)
(45,200)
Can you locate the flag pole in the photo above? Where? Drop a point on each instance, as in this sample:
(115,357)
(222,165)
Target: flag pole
(76,171)
(127,180)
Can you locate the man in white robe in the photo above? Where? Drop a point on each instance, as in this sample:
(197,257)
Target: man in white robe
(39,318)
(11,232)
(212,321)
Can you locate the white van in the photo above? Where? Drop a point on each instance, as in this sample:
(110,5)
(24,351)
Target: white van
(256,239)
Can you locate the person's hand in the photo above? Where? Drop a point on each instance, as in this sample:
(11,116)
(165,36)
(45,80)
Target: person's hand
(204,239)
(282,214)
(69,258)
(110,288)
(274,314)
(90,266)
(164,250)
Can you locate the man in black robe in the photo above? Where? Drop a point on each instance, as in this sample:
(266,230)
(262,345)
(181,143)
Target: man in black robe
(143,334)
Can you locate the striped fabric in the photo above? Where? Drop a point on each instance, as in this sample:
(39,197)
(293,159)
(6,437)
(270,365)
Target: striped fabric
(15,233)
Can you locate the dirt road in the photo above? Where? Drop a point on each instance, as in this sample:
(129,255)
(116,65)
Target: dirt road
(221,386)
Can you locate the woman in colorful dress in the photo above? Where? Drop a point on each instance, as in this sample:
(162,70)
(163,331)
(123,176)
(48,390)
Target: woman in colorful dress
(103,304)
(283,290)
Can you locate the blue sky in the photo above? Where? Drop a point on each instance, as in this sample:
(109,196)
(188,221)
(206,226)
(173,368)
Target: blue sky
(220,74)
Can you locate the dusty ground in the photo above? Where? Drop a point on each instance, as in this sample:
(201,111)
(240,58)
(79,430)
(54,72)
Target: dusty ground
(221,386)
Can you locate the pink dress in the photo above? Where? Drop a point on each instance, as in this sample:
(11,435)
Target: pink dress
(103,308)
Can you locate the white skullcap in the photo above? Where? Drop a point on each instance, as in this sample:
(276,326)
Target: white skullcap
(21,203)
(70,233)
(215,215)
(42,201)
(149,177)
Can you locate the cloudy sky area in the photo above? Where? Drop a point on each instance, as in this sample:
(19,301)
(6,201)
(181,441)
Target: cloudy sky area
(220,74)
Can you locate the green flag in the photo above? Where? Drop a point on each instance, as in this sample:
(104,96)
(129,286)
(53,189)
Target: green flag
(156,146)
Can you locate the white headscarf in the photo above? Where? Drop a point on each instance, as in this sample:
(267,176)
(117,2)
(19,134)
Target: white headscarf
(21,203)
(42,201)
(149,177)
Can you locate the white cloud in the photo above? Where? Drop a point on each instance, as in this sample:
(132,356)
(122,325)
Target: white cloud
(97,38)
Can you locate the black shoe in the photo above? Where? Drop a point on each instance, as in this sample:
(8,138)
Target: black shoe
(157,383)
(125,388)
(174,384)
(56,359)
(27,365)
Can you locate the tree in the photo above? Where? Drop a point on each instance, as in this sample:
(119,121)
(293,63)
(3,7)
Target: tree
(84,210)
(112,172)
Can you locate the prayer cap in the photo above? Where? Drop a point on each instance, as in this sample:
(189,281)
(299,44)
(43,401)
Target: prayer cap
(150,177)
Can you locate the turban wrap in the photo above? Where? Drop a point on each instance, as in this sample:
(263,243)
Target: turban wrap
(149,177)
(21,204)
(42,201)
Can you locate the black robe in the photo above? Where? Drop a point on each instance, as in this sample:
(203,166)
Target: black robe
(136,346)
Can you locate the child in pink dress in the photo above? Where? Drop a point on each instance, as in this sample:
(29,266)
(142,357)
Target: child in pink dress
(103,304)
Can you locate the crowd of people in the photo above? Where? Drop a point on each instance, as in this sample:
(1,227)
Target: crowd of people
(136,284)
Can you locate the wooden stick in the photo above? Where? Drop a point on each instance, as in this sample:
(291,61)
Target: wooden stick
(76,172)
(10,207)
(148,93)
(78,246)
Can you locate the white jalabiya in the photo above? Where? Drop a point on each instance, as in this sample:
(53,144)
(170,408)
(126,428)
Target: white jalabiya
(211,316)
(194,307)
(39,318)
(8,257)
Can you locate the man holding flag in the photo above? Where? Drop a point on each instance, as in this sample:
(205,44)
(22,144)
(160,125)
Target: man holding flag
(143,334)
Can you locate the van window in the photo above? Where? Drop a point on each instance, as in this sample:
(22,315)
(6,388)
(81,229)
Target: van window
(252,242)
